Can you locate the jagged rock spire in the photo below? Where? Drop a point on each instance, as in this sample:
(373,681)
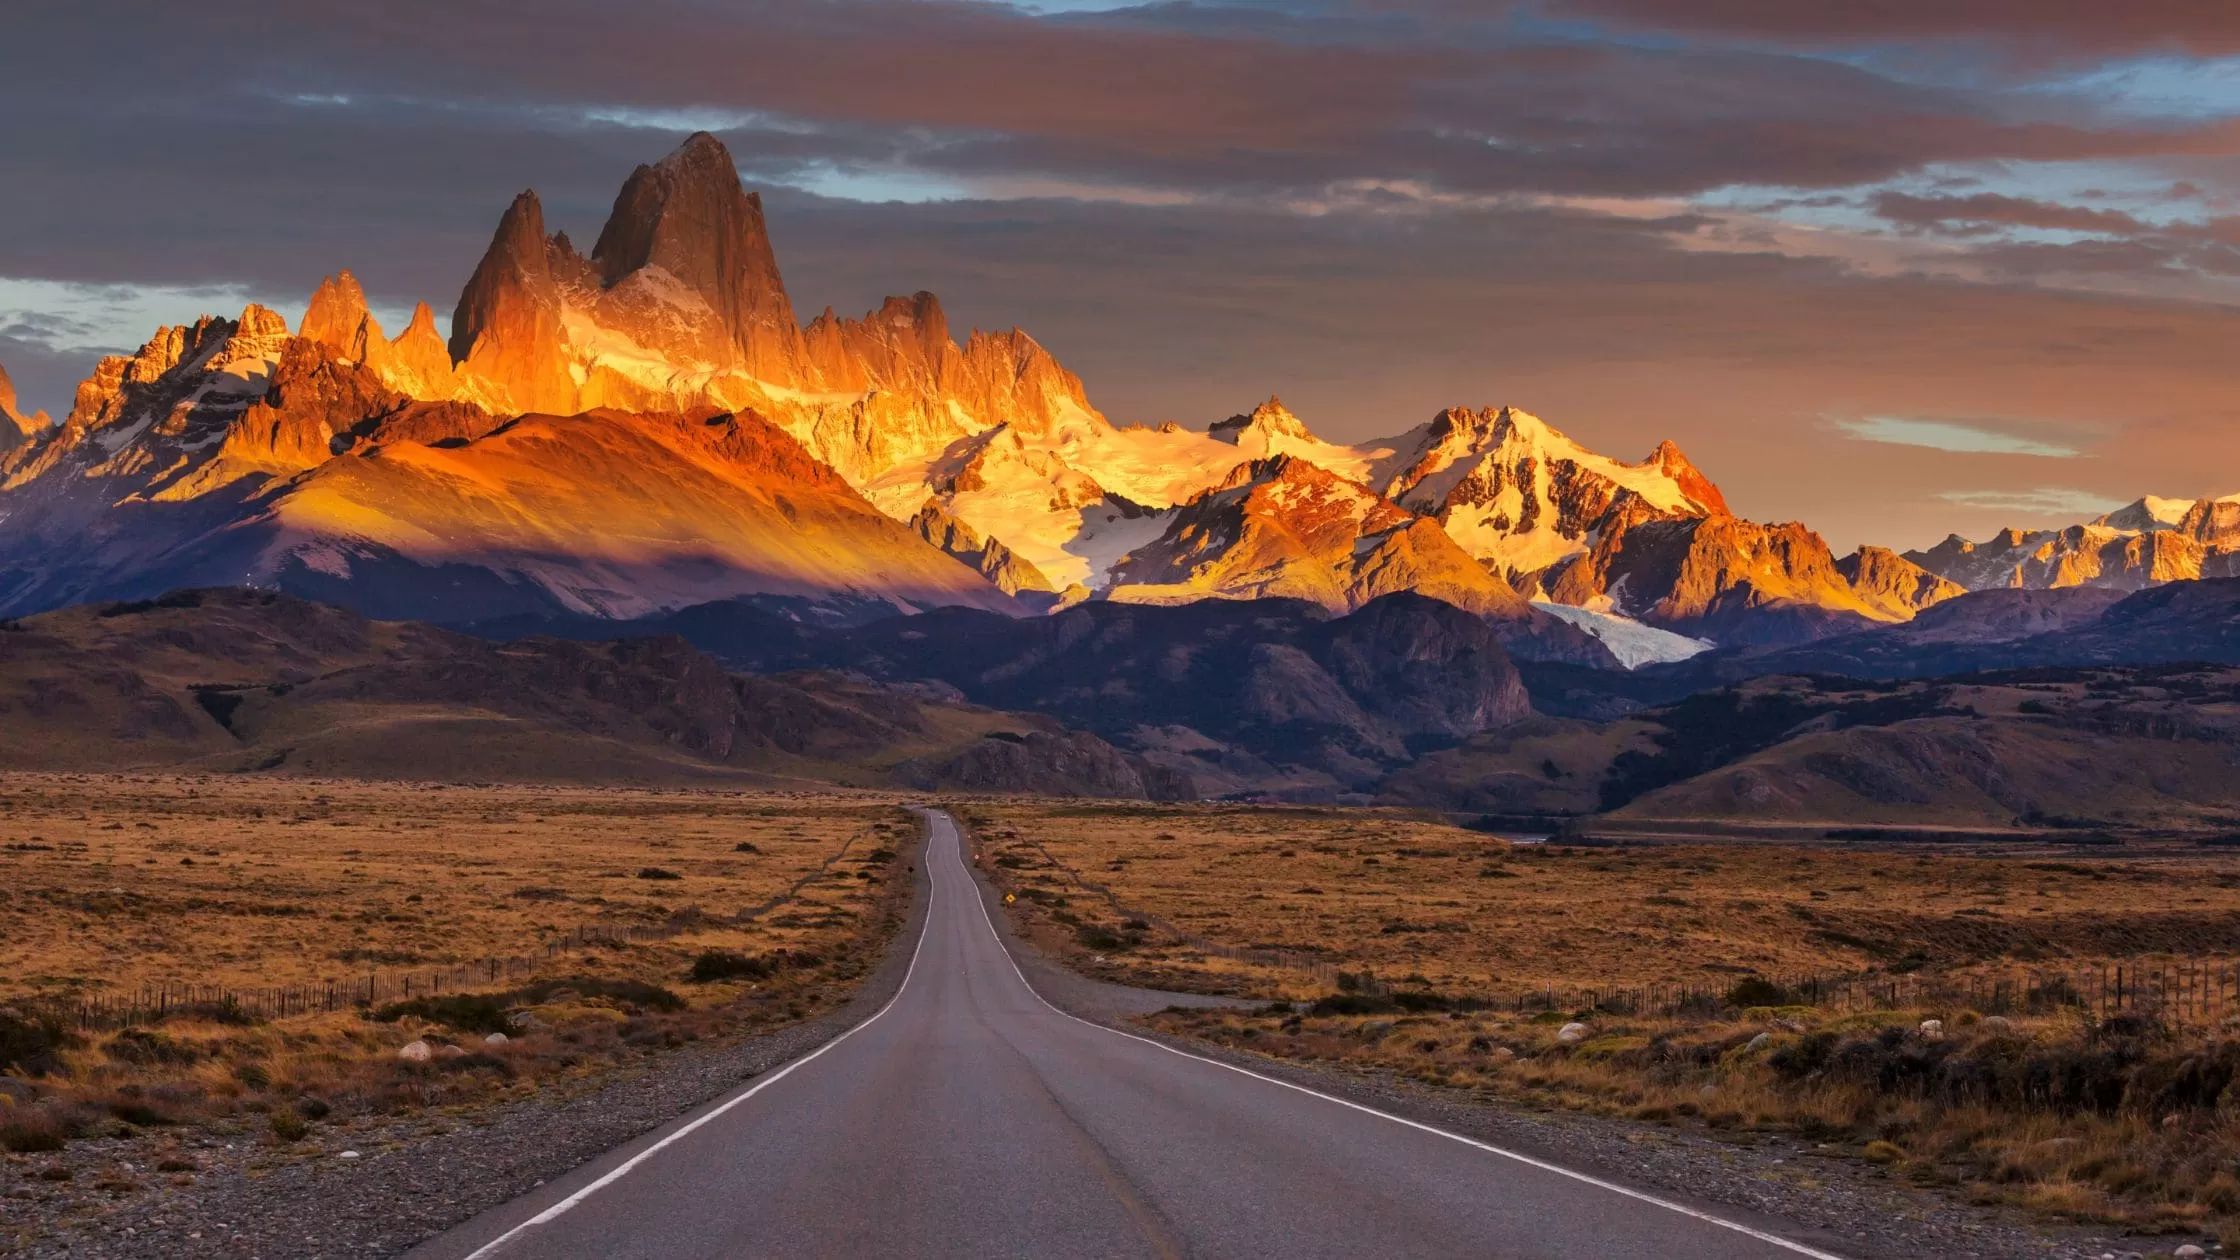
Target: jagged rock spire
(688,215)
(507,328)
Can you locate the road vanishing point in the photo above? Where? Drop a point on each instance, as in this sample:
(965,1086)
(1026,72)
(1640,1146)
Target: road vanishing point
(970,1118)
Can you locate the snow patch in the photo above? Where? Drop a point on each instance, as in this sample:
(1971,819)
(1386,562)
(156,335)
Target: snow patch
(1633,643)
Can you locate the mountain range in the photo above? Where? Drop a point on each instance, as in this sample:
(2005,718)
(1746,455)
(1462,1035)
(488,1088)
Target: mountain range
(647,427)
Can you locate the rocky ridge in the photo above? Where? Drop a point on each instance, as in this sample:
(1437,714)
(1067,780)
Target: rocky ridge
(2145,543)
(15,427)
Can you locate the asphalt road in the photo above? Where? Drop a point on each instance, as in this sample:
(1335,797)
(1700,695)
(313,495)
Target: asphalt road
(969,1118)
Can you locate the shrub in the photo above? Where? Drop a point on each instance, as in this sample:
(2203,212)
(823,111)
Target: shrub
(722,964)
(225,1011)
(655,872)
(27,1129)
(133,1108)
(287,1126)
(1757,991)
(628,993)
(464,1012)
(1099,939)
(29,1041)
(1351,1004)
(149,1048)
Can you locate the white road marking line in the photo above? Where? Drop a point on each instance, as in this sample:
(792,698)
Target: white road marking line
(1583,1178)
(621,1170)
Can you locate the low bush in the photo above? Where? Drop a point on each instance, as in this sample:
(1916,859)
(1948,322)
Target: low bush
(465,1012)
(149,1048)
(630,994)
(1757,991)
(27,1128)
(722,964)
(29,1042)
(287,1126)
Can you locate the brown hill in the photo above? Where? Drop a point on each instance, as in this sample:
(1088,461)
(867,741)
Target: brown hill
(249,681)
(2084,750)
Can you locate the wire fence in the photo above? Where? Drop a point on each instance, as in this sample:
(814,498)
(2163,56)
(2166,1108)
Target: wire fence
(243,1004)
(2191,993)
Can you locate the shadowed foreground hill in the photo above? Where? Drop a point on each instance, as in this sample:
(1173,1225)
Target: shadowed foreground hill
(2088,752)
(231,680)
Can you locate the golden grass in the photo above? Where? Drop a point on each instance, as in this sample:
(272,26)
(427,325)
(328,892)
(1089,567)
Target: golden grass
(108,883)
(111,883)
(1459,911)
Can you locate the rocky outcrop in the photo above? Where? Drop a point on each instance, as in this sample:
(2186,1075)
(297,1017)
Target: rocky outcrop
(685,267)
(416,364)
(2143,544)
(1522,497)
(506,334)
(985,556)
(1285,528)
(1893,584)
(1722,578)
(15,427)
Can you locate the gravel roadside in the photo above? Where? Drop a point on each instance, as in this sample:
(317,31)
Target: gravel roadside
(1858,1211)
(378,1187)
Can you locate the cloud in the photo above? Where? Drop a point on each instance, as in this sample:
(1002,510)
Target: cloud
(2196,27)
(1981,211)
(2054,501)
(1949,435)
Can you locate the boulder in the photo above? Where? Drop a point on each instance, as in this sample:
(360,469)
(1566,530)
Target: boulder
(1571,1034)
(1759,1042)
(416,1052)
(494,1040)
(1932,1030)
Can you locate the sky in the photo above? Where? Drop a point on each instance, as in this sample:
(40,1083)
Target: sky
(1896,269)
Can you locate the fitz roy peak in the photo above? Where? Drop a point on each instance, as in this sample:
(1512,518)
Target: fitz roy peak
(649,427)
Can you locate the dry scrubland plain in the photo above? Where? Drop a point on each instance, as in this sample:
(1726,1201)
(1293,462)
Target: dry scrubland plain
(109,883)
(2125,1120)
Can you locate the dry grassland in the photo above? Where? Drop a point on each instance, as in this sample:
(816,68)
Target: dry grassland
(109,883)
(1458,911)
(2121,1121)
(112,883)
